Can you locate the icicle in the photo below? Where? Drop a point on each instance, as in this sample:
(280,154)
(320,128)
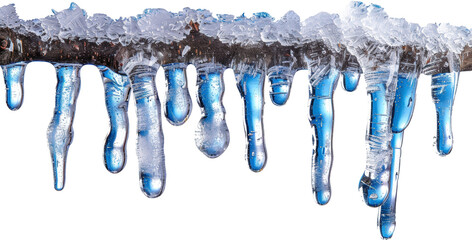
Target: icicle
(381,78)
(212,134)
(351,72)
(403,107)
(444,68)
(404,101)
(117,90)
(323,64)
(281,62)
(280,79)
(321,120)
(386,218)
(60,131)
(178,102)
(14,76)
(443,90)
(351,79)
(250,83)
(152,172)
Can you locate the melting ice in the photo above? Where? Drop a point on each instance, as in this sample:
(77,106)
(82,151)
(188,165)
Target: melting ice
(390,52)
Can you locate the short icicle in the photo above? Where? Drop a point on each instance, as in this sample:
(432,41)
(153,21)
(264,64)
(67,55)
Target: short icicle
(280,79)
(178,104)
(150,145)
(405,95)
(351,72)
(250,82)
(14,77)
(117,91)
(212,134)
(60,131)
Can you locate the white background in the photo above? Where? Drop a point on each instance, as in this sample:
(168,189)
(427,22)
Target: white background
(221,198)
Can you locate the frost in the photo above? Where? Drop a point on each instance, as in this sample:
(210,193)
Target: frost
(97,28)
(8,17)
(73,22)
(245,31)
(162,26)
(208,25)
(286,30)
(360,25)
(323,26)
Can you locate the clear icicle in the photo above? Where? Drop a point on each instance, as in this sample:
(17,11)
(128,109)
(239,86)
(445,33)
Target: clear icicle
(212,134)
(381,78)
(117,91)
(443,91)
(403,107)
(280,79)
(14,77)
(178,102)
(250,83)
(150,145)
(387,213)
(60,131)
(321,120)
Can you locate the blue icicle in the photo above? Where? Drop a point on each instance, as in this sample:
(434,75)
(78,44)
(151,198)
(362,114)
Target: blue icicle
(443,89)
(251,86)
(402,113)
(14,77)
(321,120)
(150,145)
(178,102)
(351,80)
(280,79)
(60,131)
(117,90)
(381,86)
(212,134)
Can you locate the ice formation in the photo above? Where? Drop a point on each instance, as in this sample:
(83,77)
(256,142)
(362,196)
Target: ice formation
(390,52)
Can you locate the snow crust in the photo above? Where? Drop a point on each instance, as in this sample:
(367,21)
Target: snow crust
(356,26)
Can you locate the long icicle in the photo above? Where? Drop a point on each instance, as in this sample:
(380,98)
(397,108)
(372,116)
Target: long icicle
(117,90)
(381,79)
(405,95)
(60,131)
(152,172)
(250,83)
(322,120)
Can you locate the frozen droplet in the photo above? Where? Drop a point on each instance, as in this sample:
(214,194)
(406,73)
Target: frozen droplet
(351,80)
